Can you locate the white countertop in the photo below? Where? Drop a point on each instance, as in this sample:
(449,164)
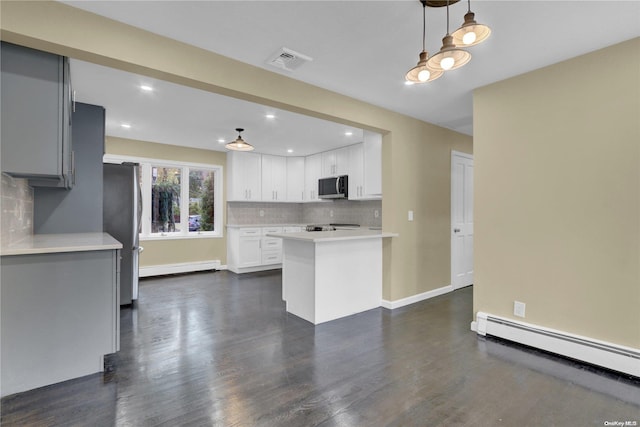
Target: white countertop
(264,225)
(332,236)
(68,242)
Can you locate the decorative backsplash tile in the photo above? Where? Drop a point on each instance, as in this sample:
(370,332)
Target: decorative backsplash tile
(338,211)
(16,211)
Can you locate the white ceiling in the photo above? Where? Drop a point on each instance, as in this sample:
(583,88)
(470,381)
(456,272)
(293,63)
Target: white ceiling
(359,48)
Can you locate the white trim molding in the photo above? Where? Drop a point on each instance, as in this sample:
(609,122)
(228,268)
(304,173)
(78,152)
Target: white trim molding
(416,298)
(184,267)
(601,353)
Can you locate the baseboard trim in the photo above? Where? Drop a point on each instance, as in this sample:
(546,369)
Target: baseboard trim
(185,267)
(416,298)
(601,353)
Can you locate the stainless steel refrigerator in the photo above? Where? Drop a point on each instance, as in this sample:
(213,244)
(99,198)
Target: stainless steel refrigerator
(122,211)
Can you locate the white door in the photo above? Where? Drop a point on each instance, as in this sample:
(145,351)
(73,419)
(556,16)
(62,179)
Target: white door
(461,219)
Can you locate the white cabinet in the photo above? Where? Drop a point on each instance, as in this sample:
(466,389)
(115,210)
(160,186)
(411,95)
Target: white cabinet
(249,247)
(372,147)
(335,162)
(365,164)
(312,173)
(356,172)
(243,176)
(274,178)
(295,179)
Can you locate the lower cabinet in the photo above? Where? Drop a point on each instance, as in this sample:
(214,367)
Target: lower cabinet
(249,249)
(60,316)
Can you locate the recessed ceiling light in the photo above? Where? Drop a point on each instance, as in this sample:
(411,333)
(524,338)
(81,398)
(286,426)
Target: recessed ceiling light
(408,83)
(221,141)
(146,88)
(348,133)
(125,125)
(289,150)
(270,116)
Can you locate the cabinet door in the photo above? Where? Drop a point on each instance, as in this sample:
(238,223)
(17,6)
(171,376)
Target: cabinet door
(274,178)
(342,161)
(249,252)
(312,173)
(356,166)
(372,178)
(328,164)
(251,166)
(243,172)
(36,122)
(295,179)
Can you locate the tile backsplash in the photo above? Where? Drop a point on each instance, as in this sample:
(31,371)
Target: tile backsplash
(338,211)
(16,217)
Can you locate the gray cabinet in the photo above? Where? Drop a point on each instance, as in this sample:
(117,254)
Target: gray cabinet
(78,210)
(36,106)
(60,316)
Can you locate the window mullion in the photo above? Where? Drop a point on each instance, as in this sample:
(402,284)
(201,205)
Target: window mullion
(184,201)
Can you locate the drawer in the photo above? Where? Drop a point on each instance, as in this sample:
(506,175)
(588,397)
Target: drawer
(271,256)
(292,229)
(271,243)
(250,232)
(267,230)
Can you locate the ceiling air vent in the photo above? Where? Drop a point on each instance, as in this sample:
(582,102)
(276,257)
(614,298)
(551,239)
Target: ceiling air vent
(287,59)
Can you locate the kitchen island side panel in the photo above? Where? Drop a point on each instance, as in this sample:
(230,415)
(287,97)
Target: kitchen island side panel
(298,278)
(348,278)
(59,317)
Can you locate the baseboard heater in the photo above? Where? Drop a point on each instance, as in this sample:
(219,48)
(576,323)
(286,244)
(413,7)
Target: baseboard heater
(600,353)
(186,267)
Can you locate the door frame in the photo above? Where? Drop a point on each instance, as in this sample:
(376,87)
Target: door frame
(454,155)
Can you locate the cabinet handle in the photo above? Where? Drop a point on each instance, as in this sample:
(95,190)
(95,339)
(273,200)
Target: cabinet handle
(73,100)
(73,167)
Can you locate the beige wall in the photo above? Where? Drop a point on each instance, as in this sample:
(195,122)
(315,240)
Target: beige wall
(415,154)
(175,251)
(557,191)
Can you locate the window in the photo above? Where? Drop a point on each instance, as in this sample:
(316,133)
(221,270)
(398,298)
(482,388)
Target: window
(179,200)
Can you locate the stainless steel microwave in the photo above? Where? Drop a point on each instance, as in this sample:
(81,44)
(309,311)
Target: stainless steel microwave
(336,187)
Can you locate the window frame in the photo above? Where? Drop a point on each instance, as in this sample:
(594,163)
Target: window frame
(146,165)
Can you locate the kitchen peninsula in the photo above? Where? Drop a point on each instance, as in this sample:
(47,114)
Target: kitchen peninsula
(60,310)
(327,275)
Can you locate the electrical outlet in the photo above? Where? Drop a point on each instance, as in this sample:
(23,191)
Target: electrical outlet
(519,308)
(376,213)
(261,212)
(331,213)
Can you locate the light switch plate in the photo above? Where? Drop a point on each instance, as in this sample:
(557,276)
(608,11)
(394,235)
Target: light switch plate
(519,308)
(410,216)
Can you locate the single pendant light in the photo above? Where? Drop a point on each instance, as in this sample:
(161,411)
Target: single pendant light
(239,144)
(449,57)
(470,33)
(422,73)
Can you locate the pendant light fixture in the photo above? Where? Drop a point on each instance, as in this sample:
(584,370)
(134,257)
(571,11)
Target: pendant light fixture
(449,57)
(239,144)
(422,73)
(470,33)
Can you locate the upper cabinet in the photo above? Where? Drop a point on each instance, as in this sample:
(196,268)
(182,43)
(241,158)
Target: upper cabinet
(312,173)
(372,164)
(36,104)
(335,162)
(274,178)
(243,177)
(295,179)
(365,168)
(255,177)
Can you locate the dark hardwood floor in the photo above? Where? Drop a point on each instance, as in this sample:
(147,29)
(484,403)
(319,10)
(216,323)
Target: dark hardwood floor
(219,349)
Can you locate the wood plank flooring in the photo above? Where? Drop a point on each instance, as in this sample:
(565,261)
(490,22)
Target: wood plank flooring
(218,349)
